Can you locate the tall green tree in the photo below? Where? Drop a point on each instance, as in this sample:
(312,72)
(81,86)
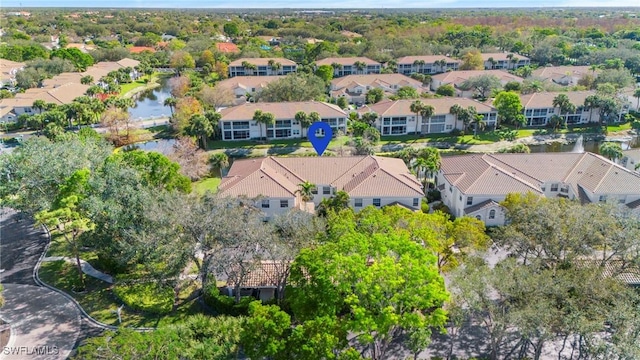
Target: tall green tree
(65,217)
(263,118)
(509,108)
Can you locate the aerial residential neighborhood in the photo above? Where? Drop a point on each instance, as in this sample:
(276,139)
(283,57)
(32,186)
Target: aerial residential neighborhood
(311,181)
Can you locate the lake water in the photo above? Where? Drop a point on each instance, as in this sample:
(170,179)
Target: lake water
(590,146)
(150,104)
(164,146)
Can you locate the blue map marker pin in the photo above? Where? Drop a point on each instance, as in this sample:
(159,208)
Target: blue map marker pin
(320,143)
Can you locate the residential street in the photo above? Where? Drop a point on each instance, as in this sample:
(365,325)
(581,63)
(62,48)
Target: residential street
(45,324)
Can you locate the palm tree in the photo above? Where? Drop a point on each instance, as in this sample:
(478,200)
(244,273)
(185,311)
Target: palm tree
(591,102)
(392,65)
(427,163)
(509,57)
(304,121)
(171,103)
(200,127)
(214,119)
(305,190)
(442,63)
(611,150)
(416,107)
(94,90)
(39,105)
(492,61)
(636,94)
(336,66)
(419,64)
(478,123)
(515,60)
(427,111)
(563,102)
(219,161)
(263,118)
(457,110)
(360,66)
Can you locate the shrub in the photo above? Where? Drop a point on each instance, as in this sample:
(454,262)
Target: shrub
(456,132)
(433,195)
(424,206)
(444,208)
(147,297)
(226,305)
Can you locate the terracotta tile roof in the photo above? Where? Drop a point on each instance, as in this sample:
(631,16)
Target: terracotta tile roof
(226,47)
(374,80)
(502,56)
(127,62)
(346,61)
(458,77)
(479,206)
(428,59)
(359,176)
(350,34)
(62,94)
(284,110)
(139,49)
(505,173)
(545,99)
(8,68)
(247,82)
(618,269)
(263,275)
(554,72)
(441,106)
(262,61)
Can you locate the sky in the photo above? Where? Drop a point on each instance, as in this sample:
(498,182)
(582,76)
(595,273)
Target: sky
(375,4)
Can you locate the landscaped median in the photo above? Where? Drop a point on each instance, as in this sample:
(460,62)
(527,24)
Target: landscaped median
(146,305)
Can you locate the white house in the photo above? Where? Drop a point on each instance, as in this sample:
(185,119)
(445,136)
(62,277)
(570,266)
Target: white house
(473,185)
(631,159)
(538,108)
(355,87)
(351,65)
(237,122)
(262,67)
(506,61)
(369,180)
(563,75)
(396,117)
(427,64)
(457,78)
(240,86)
(8,70)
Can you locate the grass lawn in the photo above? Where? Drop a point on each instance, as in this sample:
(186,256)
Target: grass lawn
(60,247)
(99,301)
(208,184)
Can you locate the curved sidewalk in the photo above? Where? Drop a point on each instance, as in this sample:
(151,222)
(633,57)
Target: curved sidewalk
(44,323)
(86,268)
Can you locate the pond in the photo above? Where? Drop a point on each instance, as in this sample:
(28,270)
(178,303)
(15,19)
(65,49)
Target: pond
(582,146)
(150,104)
(164,146)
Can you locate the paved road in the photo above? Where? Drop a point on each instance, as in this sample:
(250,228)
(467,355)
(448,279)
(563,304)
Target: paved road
(45,324)
(43,321)
(21,244)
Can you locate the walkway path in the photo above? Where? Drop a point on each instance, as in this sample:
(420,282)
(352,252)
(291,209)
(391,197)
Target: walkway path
(86,268)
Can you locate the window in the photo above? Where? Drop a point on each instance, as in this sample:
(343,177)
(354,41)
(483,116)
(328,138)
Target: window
(554,187)
(470,200)
(357,202)
(265,203)
(284,203)
(326,190)
(564,189)
(450,189)
(416,201)
(603,198)
(479,217)
(314,190)
(621,200)
(376,202)
(492,214)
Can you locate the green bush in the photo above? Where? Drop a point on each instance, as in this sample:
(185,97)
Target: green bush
(433,195)
(424,206)
(147,297)
(444,208)
(226,305)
